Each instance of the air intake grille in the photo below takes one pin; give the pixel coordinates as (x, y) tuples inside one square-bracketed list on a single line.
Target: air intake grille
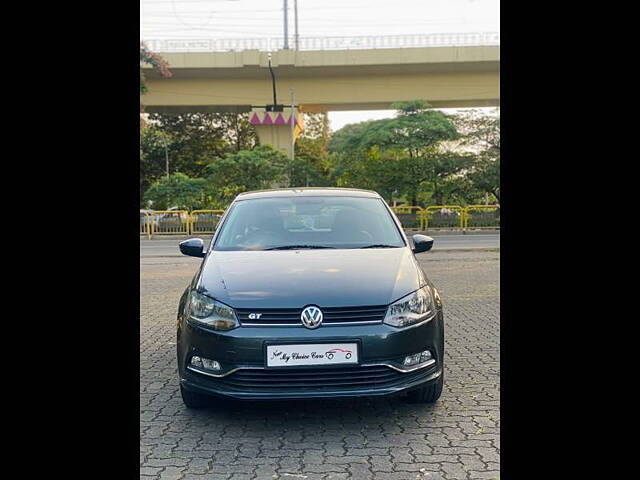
[(290, 317), (306, 379)]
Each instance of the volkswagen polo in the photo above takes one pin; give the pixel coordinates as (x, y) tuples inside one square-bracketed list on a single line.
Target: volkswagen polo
[(309, 293)]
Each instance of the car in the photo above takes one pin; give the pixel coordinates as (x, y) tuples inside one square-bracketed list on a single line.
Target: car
[(309, 293)]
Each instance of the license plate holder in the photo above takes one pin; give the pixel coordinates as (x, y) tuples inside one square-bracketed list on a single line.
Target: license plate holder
[(283, 355)]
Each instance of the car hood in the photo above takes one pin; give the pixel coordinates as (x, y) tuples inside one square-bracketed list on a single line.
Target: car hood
[(295, 278)]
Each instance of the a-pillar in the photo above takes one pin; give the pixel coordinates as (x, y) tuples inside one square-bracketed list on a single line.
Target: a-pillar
[(274, 128)]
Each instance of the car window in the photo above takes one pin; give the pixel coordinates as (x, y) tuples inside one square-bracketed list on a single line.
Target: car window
[(313, 222)]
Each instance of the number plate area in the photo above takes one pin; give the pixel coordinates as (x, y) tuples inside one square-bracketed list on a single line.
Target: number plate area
[(312, 354)]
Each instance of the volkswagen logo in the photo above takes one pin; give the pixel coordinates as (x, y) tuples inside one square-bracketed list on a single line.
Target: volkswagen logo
[(311, 317)]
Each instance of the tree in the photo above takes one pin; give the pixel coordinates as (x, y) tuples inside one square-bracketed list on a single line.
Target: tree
[(311, 166), (157, 62), (260, 168), (372, 169), (486, 176), (152, 155), (409, 143), (440, 170), (198, 138), (177, 190), (481, 133)]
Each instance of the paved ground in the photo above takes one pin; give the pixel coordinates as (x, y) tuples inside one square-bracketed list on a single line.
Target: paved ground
[(457, 438), (168, 246)]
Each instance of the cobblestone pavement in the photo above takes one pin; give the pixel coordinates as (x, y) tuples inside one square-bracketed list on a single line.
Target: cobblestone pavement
[(457, 438)]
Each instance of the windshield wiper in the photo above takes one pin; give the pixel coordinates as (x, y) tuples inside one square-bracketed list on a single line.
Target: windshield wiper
[(380, 245), (296, 247)]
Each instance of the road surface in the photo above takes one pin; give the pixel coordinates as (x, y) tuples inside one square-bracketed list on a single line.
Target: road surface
[(364, 438)]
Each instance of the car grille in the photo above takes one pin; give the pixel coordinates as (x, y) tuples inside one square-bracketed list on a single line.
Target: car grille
[(306, 379), (290, 317)]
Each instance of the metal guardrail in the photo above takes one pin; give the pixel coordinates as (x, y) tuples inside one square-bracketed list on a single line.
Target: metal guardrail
[(170, 222), (327, 43), (204, 221), (450, 217), (412, 218), (482, 217)]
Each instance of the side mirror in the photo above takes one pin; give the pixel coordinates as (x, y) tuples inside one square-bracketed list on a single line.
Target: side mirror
[(422, 243), (194, 247)]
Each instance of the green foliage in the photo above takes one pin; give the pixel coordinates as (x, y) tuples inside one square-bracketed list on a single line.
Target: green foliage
[(177, 190), (413, 131), (486, 176), (312, 166), (373, 170), (260, 168), (193, 140), (152, 155), (401, 154), (482, 134), (421, 156)]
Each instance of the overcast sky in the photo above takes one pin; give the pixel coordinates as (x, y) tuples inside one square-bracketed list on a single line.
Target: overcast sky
[(183, 19)]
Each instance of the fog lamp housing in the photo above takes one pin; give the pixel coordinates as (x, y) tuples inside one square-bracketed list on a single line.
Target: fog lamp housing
[(417, 358), (197, 362), (205, 363)]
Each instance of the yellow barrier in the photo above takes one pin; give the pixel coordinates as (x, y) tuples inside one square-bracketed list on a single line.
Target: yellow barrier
[(170, 222), (181, 222), (408, 219), (487, 218), (204, 221), (447, 217), (145, 224)]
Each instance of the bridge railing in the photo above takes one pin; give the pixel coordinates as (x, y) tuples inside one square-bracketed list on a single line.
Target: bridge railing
[(327, 43)]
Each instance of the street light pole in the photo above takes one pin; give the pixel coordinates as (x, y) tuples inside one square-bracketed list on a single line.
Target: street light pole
[(286, 25), (293, 121), (166, 156), (295, 17)]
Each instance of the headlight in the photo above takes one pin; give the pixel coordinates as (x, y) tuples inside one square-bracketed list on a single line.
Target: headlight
[(412, 309), (210, 312)]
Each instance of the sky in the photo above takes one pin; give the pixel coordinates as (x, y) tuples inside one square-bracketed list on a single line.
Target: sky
[(199, 19)]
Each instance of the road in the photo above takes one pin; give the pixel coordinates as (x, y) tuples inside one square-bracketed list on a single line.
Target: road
[(168, 247), (355, 439)]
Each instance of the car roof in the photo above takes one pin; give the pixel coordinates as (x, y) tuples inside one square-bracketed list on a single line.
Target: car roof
[(307, 191)]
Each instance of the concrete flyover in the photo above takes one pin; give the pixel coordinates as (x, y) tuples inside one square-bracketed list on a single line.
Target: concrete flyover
[(329, 80)]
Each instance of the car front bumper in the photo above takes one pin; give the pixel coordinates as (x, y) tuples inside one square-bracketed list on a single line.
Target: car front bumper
[(244, 375)]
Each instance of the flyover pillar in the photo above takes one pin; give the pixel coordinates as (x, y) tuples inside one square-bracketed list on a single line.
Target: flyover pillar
[(274, 128)]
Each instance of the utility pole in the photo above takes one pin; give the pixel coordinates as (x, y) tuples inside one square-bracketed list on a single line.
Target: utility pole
[(166, 157), (286, 25), (295, 17), (293, 126)]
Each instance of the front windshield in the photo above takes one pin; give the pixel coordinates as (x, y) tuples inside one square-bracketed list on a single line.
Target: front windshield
[(308, 222)]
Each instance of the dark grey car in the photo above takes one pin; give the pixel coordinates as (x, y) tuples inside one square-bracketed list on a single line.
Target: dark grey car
[(309, 293)]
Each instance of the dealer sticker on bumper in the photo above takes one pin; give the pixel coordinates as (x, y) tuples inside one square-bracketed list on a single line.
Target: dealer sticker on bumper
[(311, 354)]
